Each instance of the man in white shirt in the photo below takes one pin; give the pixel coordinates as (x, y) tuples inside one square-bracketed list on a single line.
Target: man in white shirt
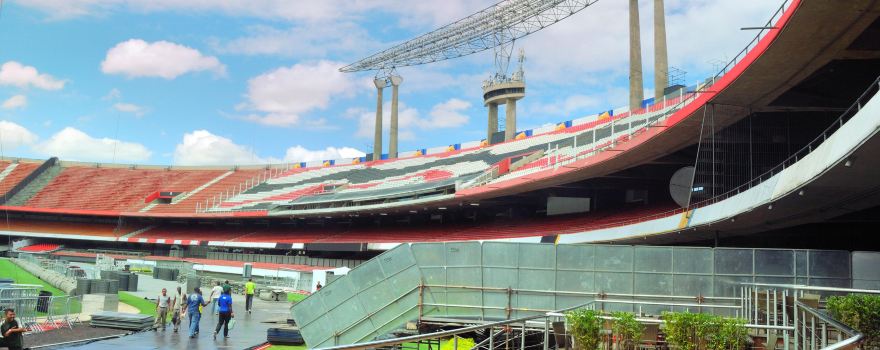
[(163, 302), (215, 294)]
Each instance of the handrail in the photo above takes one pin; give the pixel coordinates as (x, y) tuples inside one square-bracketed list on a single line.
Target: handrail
[(427, 336), (814, 288), (854, 335)]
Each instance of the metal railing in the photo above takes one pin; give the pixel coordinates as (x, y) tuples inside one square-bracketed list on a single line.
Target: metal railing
[(857, 106), (771, 311), (789, 306)]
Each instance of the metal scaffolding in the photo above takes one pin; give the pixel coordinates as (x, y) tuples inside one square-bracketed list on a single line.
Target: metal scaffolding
[(496, 25)]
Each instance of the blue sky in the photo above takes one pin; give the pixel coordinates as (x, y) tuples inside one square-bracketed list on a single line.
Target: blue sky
[(200, 82)]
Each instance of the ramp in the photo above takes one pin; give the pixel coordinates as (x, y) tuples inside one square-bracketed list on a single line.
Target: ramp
[(501, 280)]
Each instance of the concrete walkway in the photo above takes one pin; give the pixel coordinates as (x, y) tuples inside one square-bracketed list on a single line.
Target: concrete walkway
[(249, 330)]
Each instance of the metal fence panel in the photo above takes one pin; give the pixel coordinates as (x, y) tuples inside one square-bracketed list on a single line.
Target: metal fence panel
[(614, 258), (693, 260), (653, 259), (731, 261), (774, 262)]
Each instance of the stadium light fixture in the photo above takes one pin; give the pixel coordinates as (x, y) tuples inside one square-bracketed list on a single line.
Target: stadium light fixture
[(770, 207), (801, 193), (848, 163), (383, 214), (475, 204), (413, 211), (442, 208)]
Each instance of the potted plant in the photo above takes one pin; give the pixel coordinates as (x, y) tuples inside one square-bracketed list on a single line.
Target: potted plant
[(584, 326)]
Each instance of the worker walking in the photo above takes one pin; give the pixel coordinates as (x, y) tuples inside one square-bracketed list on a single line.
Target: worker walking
[(179, 306), (193, 308), (249, 289), (163, 303), (215, 294), (224, 305)]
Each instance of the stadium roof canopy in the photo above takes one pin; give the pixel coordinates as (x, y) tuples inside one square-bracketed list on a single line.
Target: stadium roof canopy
[(495, 25)]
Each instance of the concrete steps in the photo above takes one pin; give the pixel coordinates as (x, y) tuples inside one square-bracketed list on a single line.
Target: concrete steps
[(35, 186)]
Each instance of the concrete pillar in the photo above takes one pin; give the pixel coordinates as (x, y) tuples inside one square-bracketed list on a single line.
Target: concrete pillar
[(377, 141), (661, 60), (636, 89), (493, 122), (510, 121), (392, 142)]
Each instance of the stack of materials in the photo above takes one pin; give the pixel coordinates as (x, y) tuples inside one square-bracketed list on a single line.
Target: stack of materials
[(123, 280), (284, 336), (121, 320), (99, 287), (82, 286), (133, 282), (165, 274)]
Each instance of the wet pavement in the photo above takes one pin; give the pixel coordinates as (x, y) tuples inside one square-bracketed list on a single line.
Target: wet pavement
[(250, 330)]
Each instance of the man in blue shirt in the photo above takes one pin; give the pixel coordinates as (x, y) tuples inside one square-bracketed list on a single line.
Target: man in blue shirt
[(224, 305), (194, 302)]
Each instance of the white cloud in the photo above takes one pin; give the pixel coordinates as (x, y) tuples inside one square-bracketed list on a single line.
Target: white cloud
[(697, 31), (13, 136), (302, 154), (407, 120), (163, 59), (19, 75), (17, 101), (130, 108), (413, 13), (114, 94), (447, 115), (442, 115), (281, 96), (73, 144), (342, 38), (201, 147)]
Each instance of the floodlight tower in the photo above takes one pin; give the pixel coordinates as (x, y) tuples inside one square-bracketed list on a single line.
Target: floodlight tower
[(502, 89), (496, 26), (383, 80)]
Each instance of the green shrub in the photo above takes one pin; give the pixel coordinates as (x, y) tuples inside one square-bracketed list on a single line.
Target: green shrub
[(859, 311), (692, 331), (584, 326), (681, 330), (729, 333), (627, 329)]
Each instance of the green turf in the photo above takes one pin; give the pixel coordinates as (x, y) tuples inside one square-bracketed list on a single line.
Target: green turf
[(10, 270), (287, 347), (144, 306), (295, 297)]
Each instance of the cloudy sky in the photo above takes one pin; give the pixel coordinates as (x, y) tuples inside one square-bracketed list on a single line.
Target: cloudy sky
[(194, 82)]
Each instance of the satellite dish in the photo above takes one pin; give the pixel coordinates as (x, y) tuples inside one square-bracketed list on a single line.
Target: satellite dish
[(681, 185)]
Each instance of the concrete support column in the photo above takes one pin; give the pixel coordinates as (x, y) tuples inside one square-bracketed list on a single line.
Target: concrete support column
[(661, 60), (377, 139), (636, 89), (493, 122), (392, 142), (510, 121)]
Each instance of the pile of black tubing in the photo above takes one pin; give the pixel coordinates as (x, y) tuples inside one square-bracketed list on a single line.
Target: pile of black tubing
[(165, 274)]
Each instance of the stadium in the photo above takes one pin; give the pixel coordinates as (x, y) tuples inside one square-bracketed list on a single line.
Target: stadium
[(751, 194)]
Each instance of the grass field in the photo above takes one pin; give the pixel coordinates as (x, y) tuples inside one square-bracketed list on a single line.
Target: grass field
[(144, 306), (287, 347), (295, 298), (8, 269)]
